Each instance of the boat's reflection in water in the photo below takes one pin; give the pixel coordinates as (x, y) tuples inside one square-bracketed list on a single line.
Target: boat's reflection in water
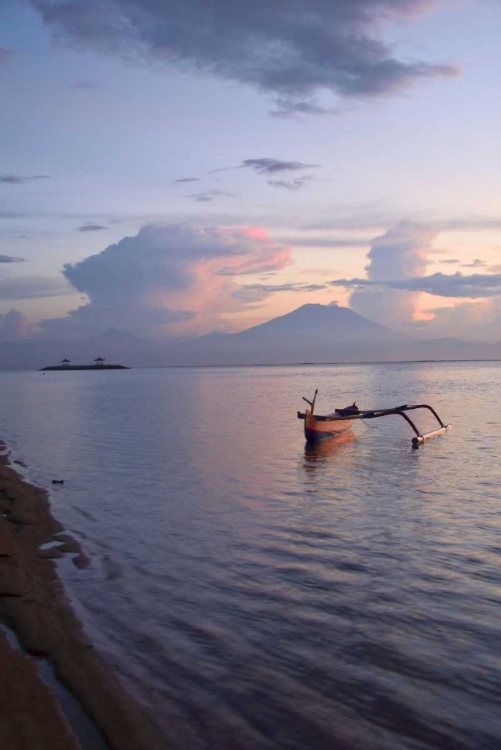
[(316, 454)]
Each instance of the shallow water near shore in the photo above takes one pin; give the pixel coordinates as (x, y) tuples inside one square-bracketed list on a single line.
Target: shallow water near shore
[(257, 594)]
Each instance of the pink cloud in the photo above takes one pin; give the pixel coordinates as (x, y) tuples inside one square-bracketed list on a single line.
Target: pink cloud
[(169, 279)]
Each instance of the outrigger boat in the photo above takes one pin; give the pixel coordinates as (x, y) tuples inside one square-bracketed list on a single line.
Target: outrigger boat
[(318, 428)]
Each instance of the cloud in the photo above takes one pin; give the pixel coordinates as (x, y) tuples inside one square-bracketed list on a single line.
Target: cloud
[(474, 321), (439, 284), (477, 263), (6, 55), (292, 49), (208, 195), (33, 287), (90, 227), (14, 326), (11, 259), (251, 293), (400, 253), (296, 184), (269, 166), (449, 260), (315, 241), (288, 108), (14, 179), (83, 85), (186, 179), (173, 278), (468, 224)]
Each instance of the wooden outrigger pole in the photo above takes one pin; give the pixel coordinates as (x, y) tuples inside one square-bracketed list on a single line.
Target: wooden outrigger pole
[(315, 430)]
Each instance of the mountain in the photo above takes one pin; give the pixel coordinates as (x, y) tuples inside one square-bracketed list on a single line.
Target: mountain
[(311, 333), (321, 333)]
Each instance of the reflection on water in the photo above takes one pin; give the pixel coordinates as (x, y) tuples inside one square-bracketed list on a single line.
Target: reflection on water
[(257, 593), (315, 454)]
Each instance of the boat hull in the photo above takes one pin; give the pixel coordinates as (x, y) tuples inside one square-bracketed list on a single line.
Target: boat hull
[(317, 430)]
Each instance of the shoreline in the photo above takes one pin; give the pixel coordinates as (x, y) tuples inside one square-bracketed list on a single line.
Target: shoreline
[(33, 605)]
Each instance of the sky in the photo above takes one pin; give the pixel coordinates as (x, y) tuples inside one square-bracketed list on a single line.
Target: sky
[(175, 167)]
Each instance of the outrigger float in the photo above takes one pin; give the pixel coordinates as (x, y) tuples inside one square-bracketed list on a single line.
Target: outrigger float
[(318, 428)]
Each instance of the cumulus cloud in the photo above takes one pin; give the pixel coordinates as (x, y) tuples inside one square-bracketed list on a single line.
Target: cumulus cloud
[(14, 326), (91, 227), (292, 49), (33, 287), (6, 55), (15, 179), (400, 253), (173, 278), (10, 259)]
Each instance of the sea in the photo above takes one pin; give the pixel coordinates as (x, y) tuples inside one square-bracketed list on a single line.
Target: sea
[(255, 594)]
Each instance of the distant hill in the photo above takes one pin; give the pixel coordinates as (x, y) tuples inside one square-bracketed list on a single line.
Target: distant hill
[(311, 333)]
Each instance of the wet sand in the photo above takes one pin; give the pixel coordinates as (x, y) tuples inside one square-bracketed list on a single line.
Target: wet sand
[(34, 606)]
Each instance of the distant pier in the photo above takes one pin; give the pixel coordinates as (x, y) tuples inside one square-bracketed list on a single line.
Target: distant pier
[(65, 368), (99, 364)]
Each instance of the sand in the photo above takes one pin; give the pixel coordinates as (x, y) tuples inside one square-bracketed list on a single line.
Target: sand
[(34, 606)]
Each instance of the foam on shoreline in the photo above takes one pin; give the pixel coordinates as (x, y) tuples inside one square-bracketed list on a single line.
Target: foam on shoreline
[(34, 606)]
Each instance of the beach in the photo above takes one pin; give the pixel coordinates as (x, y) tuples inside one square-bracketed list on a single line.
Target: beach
[(33, 605)]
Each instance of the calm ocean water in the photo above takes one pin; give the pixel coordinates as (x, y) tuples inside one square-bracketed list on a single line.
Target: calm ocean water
[(255, 594)]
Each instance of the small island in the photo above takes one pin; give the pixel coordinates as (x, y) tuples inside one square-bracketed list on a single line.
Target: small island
[(99, 364)]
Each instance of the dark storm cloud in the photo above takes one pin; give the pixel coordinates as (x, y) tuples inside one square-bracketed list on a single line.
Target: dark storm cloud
[(10, 259), (15, 179), (441, 285), (90, 227), (293, 48), (6, 55)]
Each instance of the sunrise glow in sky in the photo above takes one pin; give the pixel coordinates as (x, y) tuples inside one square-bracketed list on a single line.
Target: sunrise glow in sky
[(173, 167)]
